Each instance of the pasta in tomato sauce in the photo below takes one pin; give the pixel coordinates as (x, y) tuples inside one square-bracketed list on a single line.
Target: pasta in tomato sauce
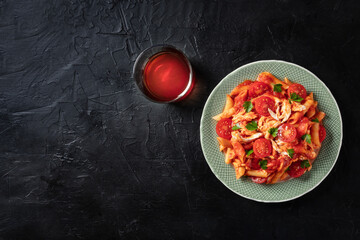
[(270, 130)]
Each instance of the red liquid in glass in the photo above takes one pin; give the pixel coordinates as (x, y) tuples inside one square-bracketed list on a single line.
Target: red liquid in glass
[(166, 76)]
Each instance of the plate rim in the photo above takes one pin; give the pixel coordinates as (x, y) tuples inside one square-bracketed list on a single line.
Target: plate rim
[(213, 92)]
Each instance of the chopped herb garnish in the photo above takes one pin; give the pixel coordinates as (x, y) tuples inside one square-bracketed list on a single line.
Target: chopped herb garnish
[(296, 98), (287, 169), (291, 152), (277, 87), (315, 120), (307, 138), (251, 125), (305, 164), (263, 164), (249, 152), (273, 131), (248, 106), (236, 127)]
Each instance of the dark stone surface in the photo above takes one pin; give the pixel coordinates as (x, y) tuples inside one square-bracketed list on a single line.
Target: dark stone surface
[(83, 155)]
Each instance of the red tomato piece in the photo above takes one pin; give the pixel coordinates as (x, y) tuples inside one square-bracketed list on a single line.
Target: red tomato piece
[(254, 164), (298, 89), (223, 128), (287, 132), (262, 104), (303, 127), (322, 133), (277, 94), (258, 180), (262, 148), (296, 170), (258, 88)]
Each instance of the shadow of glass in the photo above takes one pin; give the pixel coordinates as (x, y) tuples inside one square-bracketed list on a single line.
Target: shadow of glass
[(200, 92)]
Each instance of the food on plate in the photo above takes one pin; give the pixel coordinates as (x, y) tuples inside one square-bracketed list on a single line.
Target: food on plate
[(270, 130)]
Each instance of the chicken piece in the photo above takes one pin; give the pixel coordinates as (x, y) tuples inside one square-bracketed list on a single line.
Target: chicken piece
[(297, 107), (237, 136), (265, 123), (283, 110), (244, 116)]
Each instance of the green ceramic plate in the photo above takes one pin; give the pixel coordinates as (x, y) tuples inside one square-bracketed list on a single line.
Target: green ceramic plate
[(293, 188)]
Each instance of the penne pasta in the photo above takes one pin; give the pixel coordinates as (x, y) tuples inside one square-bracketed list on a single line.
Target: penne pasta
[(284, 177), (270, 79), (224, 142), (239, 170), (315, 104), (320, 116), (314, 132), (257, 173), (296, 116), (229, 156), (241, 87), (310, 96), (277, 177), (311, 112), (308, 103), (269, 132), (239, 150), (287, 81), (270, 178), (229, 103), (226, 114), (222, 148)]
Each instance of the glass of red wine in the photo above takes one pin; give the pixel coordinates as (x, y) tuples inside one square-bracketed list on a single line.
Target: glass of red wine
[(163, 74)]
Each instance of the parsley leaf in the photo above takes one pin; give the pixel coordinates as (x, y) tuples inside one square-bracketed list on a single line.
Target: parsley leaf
[(249, 152), (263, 164), (251, 125), (295, 97), (248, 106), (307, 138), (277, 87), (236, 127), (315, 120), (273, 131), (291, 152), (287, 169), (305, 164)]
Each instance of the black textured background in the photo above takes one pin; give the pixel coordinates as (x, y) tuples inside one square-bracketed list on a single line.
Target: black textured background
[(83, 155)]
